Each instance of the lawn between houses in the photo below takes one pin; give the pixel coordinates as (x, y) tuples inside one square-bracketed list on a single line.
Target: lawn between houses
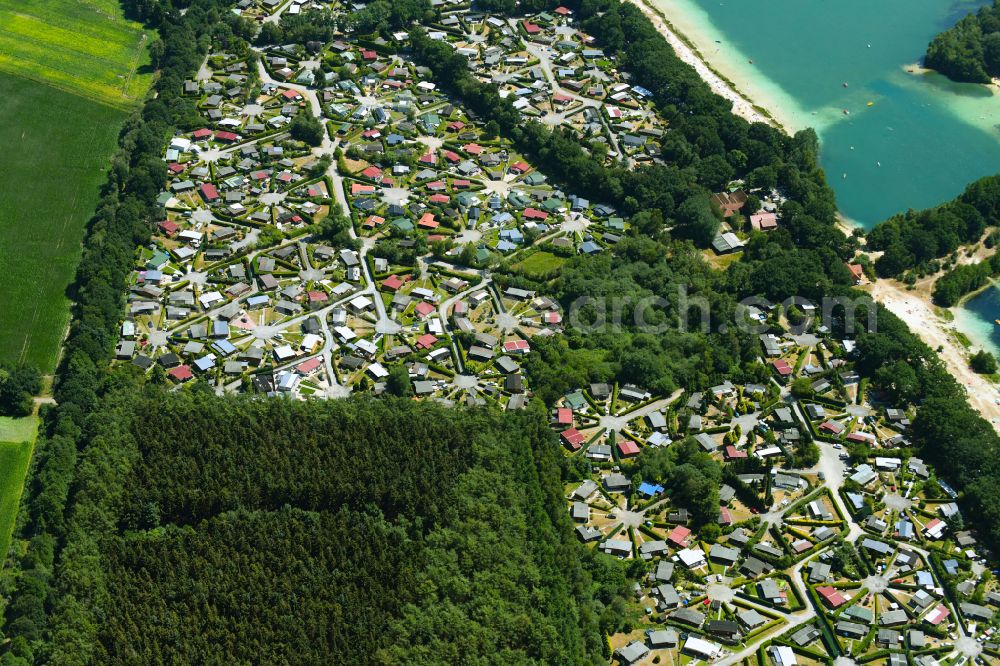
[(540, 264), (56, 145)]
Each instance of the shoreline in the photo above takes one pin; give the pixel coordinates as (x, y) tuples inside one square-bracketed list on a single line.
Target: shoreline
[(687, 50), (972, 294), (751, 108), (917, 312), (971, 325), (915, 309)]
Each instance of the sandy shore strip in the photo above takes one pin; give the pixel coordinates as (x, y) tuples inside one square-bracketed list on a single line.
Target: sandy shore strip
[(913, 308), (919, 315), (743, 106)]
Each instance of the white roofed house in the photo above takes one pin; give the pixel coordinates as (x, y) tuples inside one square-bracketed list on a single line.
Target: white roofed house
[(698, 647), (284, 353), (887, 464), (782, 655), (210, 298), (935, 529), (360, 304), (692, 559)]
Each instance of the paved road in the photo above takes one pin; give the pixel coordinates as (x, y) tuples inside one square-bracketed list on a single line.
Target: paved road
[(832, 468), (545, 62), (443, 314), (327, 147), (793, 620), (276, 16), (618, 421)]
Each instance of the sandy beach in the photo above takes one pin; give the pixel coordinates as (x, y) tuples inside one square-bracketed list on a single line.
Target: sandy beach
[(912, 306), (742, 105), (753, 96), (919, 315)]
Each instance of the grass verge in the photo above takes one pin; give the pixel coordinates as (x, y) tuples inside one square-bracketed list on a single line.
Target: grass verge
[(14, 460)]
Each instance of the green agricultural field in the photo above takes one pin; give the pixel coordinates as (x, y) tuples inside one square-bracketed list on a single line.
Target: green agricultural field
[(85, 47), (14, 460), (70, 71), (21, 429), (56, 147)]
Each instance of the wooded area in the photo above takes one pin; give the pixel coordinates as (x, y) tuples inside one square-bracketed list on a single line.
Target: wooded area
[(961, 280), (300, 527), (18, 386), (919, 239), (236, 530), (970, 50)]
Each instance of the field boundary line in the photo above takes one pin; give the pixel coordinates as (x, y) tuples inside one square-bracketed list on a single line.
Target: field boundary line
[(135, 66)]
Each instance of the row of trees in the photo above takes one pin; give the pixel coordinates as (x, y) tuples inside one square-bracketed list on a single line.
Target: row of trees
[(970, 50), (123, 220)]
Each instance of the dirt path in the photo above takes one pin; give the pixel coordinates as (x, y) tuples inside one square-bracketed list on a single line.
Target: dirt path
[(919, 315)]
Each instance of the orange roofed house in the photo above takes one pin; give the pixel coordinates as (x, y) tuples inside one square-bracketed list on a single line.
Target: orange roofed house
[(729, 203)]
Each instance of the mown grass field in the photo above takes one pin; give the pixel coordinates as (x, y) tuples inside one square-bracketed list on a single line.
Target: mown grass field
[(56, 147), (14, 460), (85, 47), (18, 429)]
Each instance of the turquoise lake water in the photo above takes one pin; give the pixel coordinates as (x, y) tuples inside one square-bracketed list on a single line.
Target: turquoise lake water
[(977, 318), (922, 139)]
